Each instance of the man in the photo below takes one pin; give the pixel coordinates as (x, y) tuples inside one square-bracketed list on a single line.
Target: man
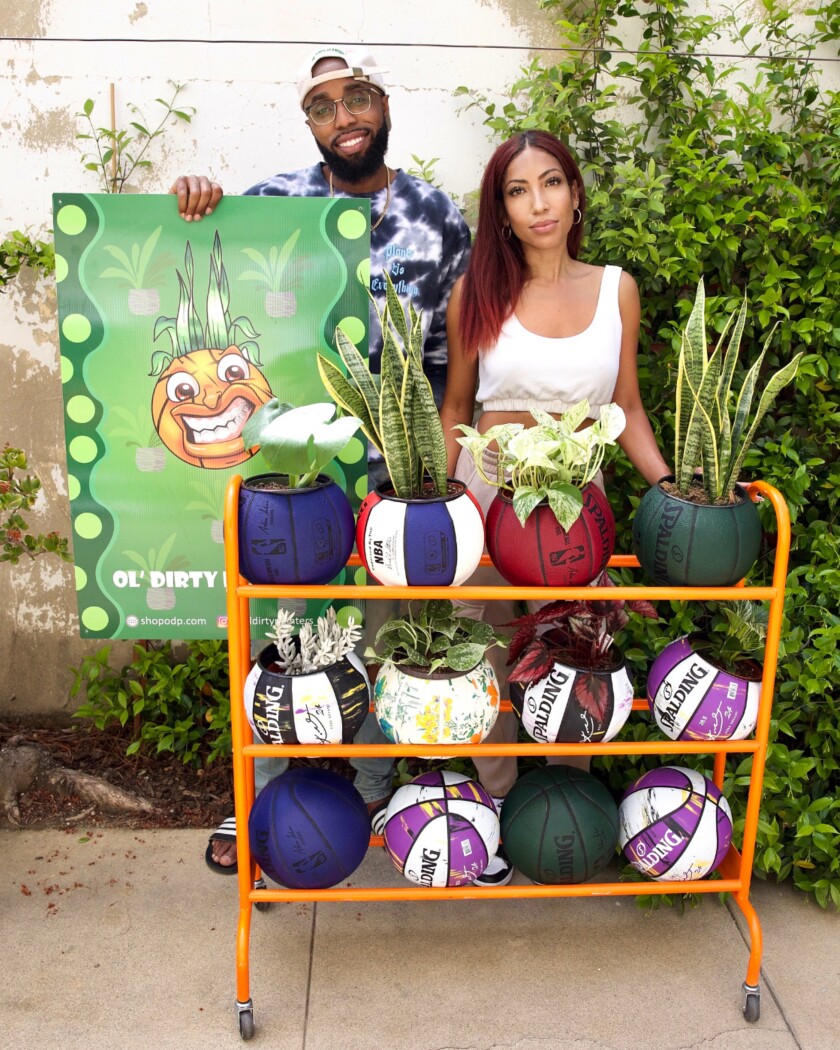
[(417, 235)]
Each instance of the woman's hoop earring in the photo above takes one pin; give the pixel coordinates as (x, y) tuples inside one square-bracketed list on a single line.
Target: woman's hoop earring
[(579, 217), (507, 232)]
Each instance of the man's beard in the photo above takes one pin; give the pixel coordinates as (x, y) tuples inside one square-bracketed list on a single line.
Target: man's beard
[(353, 170)]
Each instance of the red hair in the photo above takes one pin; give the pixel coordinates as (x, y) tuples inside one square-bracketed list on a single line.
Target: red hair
[(497, 270)]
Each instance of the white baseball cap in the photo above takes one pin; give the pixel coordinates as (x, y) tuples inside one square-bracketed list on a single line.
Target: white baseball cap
[(361, 66)]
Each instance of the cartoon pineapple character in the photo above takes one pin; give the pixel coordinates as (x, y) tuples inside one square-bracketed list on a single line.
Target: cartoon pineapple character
[(210, 385)]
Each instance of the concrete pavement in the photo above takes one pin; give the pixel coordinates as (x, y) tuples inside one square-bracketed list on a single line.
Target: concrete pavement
[(124, 940)]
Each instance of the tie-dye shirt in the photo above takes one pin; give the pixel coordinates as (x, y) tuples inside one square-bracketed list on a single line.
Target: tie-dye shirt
[(423, 243)]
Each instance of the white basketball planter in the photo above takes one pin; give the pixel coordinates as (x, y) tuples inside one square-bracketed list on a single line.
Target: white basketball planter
[(552, 712), (415, 707), (326, 706), (692, 698), (434, 540)]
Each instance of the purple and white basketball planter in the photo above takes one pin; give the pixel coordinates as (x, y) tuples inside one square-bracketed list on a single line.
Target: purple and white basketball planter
[(674, 824), (320, 707), (551, 711), (436, 541), (692, 699), (441, 829)]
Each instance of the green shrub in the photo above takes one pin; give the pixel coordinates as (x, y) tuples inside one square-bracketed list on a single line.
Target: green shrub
[(179, 705), (730, 172)]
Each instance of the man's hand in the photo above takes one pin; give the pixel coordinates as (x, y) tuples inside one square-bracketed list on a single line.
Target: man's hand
[(197, 196)]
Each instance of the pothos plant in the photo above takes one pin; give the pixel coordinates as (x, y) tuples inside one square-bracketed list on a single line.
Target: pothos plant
[(578, 633), (297, 443), (312, 648), (397, 408), (550, 462), (433, 637)]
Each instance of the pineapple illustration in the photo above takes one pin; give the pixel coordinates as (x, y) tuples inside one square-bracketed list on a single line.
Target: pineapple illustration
[(210, 385)]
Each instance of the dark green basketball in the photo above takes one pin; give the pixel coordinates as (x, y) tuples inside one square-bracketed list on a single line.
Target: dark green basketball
[(559, 824), (683, 544)]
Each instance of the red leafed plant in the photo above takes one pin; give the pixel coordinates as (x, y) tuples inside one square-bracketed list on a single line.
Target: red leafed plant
[(577, 633)]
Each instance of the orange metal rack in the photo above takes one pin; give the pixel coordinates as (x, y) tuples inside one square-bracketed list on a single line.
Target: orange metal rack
[(736, 869)]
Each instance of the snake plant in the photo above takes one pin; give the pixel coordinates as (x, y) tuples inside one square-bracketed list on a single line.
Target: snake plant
[(712, 425), (397, 408)]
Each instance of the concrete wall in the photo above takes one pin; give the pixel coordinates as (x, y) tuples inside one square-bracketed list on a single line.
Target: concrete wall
[(236, 61)]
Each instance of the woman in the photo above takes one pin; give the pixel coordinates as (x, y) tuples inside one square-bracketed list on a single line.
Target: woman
[(529, 325)]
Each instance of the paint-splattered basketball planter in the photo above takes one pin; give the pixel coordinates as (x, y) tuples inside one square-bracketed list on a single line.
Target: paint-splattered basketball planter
[(415, 707), (735, 868)]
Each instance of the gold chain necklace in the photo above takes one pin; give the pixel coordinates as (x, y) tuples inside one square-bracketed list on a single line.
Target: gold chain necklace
[(387, 196)]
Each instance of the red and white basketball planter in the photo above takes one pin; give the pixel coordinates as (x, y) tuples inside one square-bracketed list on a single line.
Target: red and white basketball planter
[(693, 699), (434, 541), (542, 553), (552, 712)]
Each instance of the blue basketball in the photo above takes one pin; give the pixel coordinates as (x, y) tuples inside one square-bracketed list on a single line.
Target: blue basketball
[(309, 829)]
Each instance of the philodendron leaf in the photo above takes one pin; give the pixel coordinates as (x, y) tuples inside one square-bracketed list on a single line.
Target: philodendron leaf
[(524, 501), (464, 656), (566, 502), (298, 441)]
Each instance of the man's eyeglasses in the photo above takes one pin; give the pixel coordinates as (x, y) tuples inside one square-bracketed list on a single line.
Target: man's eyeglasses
[(323, 110)]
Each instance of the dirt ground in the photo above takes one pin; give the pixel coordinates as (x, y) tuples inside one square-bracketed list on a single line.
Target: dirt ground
[(183, 797)]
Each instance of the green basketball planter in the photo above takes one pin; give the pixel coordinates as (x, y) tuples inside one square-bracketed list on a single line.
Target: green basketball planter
[(680, 543)]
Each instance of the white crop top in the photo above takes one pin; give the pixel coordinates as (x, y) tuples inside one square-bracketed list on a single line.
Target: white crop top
[(525, 370)]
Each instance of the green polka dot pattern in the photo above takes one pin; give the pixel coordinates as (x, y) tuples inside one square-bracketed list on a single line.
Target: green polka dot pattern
[(81, 330)]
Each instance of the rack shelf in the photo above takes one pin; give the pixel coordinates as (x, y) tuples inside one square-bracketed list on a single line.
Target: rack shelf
[(736, 868)]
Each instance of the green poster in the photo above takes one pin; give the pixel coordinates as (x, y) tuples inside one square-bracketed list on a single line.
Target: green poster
[(172, 334)]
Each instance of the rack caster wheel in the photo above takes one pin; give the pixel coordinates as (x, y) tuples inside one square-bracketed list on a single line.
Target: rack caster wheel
[(261, 905), (752, 1003), (246, 1019)]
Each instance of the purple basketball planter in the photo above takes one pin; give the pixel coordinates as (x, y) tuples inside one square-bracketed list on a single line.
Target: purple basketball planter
[(674, 824), (441, 829), (551, 712), (322, 707), (541, 553), (309, 829), (296, 536), (692, 699), (435, 541)]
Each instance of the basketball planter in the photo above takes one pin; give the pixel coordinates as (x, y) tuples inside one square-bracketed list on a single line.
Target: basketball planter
[(325, 706), (415, 706), (568, 681), (435, 685), (441, 829), (675, 825), (559, 825), (293, 535), (554, 709), (295, 525), (309, 829), (681, 543), (692, 698), (431, 540), (541, 552), (705, 531)]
